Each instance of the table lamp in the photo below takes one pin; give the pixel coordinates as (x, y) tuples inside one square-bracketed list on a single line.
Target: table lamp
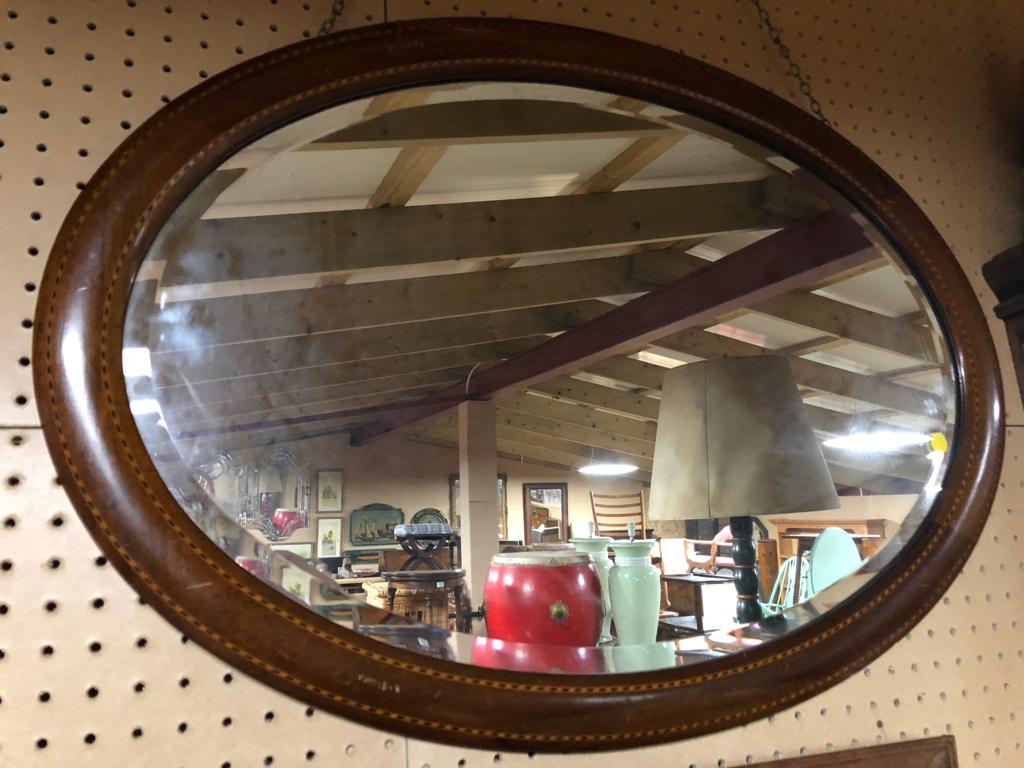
[(733, 441)]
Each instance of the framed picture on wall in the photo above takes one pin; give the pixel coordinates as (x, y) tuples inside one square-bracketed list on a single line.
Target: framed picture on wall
[(328, 490), (296, 582), (328, 537), (302, 550)]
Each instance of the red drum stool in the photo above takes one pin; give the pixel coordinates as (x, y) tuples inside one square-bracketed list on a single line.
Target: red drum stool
[(550, 598)]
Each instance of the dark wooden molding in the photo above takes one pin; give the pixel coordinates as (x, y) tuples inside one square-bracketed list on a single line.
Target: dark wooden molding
[(939, 752), (115, 487)]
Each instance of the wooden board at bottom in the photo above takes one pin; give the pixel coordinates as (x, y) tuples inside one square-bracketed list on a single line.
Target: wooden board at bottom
[(939, 752)]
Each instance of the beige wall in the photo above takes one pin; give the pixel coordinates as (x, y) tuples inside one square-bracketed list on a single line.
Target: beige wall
[(411, 475), (931, 91)]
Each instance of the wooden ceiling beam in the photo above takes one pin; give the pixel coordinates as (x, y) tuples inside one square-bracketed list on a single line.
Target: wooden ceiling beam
[(513, 421), (332, 403), (518, 457), (513, 440), (201, 366), (307, 383), (767, 268), (519, 453), (357, 409), (366, 305), (312, 399), (869, 481), (648, 378), (633, 159), (696, 343), (217, 250), (576, 414), (801, 307), (406, 174), (488, 121), (396, 100), (901, 465)]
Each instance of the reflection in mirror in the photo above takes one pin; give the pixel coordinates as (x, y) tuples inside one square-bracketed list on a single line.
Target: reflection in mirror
[(714, 399)]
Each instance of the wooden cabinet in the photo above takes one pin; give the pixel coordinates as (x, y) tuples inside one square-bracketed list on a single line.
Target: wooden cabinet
[(767, 564), (788, 547)]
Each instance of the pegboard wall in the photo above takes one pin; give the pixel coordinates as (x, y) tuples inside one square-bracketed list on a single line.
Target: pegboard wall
[(90, 676)]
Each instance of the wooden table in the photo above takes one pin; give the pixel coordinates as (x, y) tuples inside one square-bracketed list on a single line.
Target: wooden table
[(686, 589)]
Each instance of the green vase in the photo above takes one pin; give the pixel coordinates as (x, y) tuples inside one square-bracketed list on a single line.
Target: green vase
[(643, 658), (597, 548), (635, 588)]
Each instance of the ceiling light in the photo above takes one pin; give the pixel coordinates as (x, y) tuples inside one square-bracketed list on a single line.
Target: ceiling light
[(880, 441), (607, 469)]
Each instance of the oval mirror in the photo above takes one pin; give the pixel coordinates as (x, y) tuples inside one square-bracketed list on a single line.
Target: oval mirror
[(534, 384)]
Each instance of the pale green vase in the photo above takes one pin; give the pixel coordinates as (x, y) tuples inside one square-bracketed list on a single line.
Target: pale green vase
[(597, 548), (635, 588), (643, 658)]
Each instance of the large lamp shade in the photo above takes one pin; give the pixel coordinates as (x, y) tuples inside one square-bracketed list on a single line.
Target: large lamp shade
[(733, 439)]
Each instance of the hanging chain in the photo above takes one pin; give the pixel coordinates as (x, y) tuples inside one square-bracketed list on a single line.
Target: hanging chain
[(792, 68), (328, 24)]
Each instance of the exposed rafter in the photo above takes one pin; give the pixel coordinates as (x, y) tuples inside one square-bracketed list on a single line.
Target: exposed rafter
[(624, 166), (407, 173), (498, 121), (367, 305), (342, 241), (767, 268)]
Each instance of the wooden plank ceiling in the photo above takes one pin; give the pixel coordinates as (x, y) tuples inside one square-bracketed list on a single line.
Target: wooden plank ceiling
[(364, 261)]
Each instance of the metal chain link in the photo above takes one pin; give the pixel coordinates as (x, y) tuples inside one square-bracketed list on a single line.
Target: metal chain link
[(328, 24), (792, 68)]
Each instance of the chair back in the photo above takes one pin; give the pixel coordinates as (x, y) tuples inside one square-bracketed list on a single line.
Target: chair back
[(614, 512), (786, 593), (833, 557)]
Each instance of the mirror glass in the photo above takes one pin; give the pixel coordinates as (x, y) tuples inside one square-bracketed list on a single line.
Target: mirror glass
[(526, 376)]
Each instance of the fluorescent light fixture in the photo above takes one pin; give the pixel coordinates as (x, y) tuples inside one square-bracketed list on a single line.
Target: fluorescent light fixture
[(135, 362), (879, 441), (145, 406), (607, 470)]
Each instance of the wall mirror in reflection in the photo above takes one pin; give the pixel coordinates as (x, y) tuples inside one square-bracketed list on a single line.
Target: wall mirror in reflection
[(539, 378)]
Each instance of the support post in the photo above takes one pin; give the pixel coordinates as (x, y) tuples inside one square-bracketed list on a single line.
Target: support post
[(478, 496)]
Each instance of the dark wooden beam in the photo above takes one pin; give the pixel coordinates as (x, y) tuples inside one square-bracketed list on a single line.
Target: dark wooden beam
[(778, 263)]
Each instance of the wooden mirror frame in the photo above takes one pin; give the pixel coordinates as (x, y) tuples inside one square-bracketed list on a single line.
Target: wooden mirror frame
[(563, 525), (108, 474)]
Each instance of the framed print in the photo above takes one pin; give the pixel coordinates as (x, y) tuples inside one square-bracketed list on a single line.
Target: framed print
[(374, 524), (296, 582), (328, 490), (302, 550), (328, 537)]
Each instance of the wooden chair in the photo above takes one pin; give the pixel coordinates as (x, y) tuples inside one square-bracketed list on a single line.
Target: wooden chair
[(614, 512), (719, 557)]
